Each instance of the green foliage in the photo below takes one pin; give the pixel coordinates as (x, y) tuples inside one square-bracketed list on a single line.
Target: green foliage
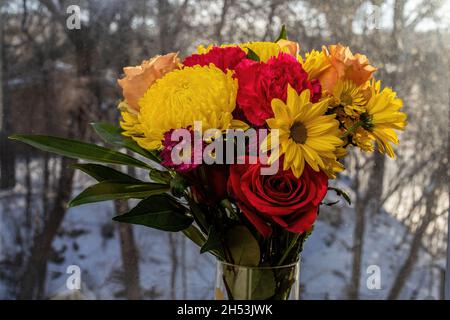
[(178, 186), (78, 150), (213, 242), (283, 34), (118, 189), (113, 135), (252, 55), (195, 235), (243, 246), (103, 173), (198, 214), (160, 212), (160, 176), (249, 283)]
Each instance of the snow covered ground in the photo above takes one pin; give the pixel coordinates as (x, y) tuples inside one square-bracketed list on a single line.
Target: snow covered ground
[(89, 239)]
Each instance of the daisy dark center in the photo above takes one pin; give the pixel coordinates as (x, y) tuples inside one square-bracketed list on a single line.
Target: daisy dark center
[(347, 99), (298, 133)]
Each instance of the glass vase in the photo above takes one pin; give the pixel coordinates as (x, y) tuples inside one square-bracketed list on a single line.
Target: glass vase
[(234, 282)]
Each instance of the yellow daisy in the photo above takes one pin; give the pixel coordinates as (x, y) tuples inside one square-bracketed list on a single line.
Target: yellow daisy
[(363, 139), (315, 63), (383, 117), (348, 95), (185, 96), (306, 134), (332, 167)]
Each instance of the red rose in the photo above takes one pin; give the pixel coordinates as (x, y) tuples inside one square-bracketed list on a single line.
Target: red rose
[(282, 198), (222, 58), (261, 82)]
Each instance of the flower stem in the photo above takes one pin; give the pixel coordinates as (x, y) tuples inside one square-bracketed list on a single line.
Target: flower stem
[(290, 247), (352, 129)]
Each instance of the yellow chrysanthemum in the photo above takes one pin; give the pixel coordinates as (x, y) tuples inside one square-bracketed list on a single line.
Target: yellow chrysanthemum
[(306, 134), (129, 121), (383, 117), (264, 50), (314, 63), (183, 97), (201, 49), (348, 95)]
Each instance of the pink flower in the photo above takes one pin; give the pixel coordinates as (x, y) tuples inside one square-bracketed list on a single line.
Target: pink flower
[(178, 160)]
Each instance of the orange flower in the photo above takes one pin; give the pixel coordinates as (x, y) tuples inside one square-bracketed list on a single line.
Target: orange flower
[(292, 47), (138, 79), (345, 65)]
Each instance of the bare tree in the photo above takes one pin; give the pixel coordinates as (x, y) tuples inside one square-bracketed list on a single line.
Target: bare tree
[(7, 158), (130, 256), (220, 25), (431, 197), (34, 277)]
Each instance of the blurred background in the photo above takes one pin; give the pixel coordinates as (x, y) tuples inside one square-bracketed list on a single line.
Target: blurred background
[(55, 78)]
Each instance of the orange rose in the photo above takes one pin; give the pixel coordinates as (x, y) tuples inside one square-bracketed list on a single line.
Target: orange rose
[(345, 65), (138, 79), (292, 47)]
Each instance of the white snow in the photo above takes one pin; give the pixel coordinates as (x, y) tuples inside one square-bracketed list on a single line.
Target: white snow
[(89, 239)]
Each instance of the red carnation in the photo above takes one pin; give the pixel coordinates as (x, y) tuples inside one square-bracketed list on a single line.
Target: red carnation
[(222, 58), (261, 82), (283, 199)]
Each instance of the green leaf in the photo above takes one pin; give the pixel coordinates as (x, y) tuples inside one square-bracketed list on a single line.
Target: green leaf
[(113, 135), (178, 185), (160, 176), (103, 173), (342, 193), (195, 235), (243, 247), (263, 284), (213, 242), (160, 212), (198, 214), (113, 190), (283, 34), (252, 55), (78, 150)]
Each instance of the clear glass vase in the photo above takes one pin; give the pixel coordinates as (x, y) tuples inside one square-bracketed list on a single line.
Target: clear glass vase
[(235, 282)]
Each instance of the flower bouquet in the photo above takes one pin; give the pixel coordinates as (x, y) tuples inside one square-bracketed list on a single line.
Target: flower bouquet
[(237, 143)]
